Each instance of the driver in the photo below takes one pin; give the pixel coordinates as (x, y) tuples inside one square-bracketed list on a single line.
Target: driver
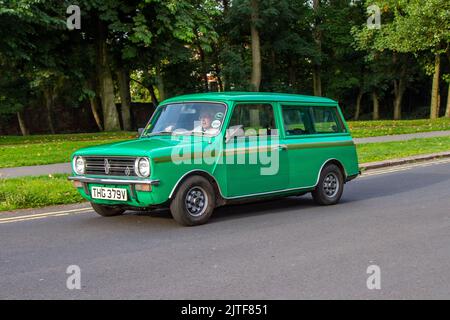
[(205, 120)]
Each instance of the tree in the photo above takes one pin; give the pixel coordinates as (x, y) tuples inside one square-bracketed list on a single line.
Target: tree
[(256, 47), (415, 26)]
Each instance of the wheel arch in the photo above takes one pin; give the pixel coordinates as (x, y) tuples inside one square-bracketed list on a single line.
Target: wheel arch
[(335, 162), (202, 173)]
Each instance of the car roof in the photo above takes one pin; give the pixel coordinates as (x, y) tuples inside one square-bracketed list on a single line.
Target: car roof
[(249, 96)]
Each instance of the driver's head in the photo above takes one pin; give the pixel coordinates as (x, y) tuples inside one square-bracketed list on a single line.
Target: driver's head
[(205, 119)]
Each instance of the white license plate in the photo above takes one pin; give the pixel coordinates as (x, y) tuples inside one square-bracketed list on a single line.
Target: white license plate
[(109, 193)]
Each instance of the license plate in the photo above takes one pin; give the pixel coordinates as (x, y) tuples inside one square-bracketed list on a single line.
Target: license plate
[(109, 193)]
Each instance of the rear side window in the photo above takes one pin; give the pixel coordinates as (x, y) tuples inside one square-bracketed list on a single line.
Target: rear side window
[(297, 121), (304, 120), (326, 120)]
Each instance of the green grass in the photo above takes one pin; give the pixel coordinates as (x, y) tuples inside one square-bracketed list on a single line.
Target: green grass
[(42, 153), (369, 152), (33, 150), (35, 139), (33, 192), (361, 129)]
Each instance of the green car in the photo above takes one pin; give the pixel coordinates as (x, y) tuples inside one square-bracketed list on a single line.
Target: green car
[(202, 151)]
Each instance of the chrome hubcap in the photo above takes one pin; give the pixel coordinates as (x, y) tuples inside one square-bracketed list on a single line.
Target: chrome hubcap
[(331, 185), (196, 201)]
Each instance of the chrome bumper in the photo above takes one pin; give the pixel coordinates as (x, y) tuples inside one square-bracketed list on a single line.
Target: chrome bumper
[(113, 181), (131, 183)]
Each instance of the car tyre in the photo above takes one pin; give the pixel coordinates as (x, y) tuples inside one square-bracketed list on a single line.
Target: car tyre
[(107, 211), (194, 202), (330, 187)]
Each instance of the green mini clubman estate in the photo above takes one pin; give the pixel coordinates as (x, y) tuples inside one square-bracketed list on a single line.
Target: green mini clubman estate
[(202, 151)]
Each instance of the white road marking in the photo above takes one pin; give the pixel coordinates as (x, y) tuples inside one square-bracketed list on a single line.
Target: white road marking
[(44, 215), (376, 172)]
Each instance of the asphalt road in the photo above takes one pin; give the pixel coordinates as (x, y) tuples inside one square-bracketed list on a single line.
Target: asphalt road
[(283, 249)]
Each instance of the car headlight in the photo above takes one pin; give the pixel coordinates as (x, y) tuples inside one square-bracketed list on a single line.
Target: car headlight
[(142, 167), (79, 165)]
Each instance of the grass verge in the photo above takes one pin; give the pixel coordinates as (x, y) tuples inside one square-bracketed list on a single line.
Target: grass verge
[(75, 137), (42, 153), (33, 150), (34, 192), (362, 129), (369, 152)]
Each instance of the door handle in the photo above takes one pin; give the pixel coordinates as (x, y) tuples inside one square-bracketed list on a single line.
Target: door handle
[(280, 147)]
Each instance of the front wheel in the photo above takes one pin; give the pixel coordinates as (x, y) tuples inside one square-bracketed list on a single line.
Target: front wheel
[(194, 202), (107, 211), (330, 187)]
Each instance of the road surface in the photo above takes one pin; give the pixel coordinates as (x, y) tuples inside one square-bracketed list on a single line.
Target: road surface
[(282, 249)]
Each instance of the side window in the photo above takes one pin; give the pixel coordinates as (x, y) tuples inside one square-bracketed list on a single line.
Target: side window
[(296, 120), (255, 119), (326, 120)]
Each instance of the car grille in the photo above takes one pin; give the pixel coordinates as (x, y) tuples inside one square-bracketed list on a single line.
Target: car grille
[(110, 166)]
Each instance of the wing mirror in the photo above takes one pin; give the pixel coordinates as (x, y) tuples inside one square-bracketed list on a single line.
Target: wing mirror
[(140, 130)]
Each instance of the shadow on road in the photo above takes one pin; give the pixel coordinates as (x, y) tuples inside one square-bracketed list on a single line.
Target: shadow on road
[(356, 191), (392, 184)]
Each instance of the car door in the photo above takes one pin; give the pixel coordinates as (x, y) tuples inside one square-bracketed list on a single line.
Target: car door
[(255, 161)]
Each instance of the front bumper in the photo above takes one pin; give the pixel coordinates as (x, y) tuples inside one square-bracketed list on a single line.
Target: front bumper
[(112, 181)]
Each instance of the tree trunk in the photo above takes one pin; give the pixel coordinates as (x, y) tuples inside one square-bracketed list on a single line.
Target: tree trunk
[(160, 85), (204, 67), (358, 104), (255, 81), (106, 85), (399, 86), (317, 81), (376, 106), (123, 78), (447, 110), (219, 78), (153, 96), (48, 101), (226, 6), (150, 89), (398, 108), (399, 90), (93, 101), (434, 106), (291, 74), (22, 125)]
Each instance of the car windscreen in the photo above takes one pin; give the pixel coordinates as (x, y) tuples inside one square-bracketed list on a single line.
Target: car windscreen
[(187, 119)]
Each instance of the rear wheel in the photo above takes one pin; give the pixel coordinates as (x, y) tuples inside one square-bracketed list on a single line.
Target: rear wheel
[(330, 186), (107, 211), (194, 202)]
